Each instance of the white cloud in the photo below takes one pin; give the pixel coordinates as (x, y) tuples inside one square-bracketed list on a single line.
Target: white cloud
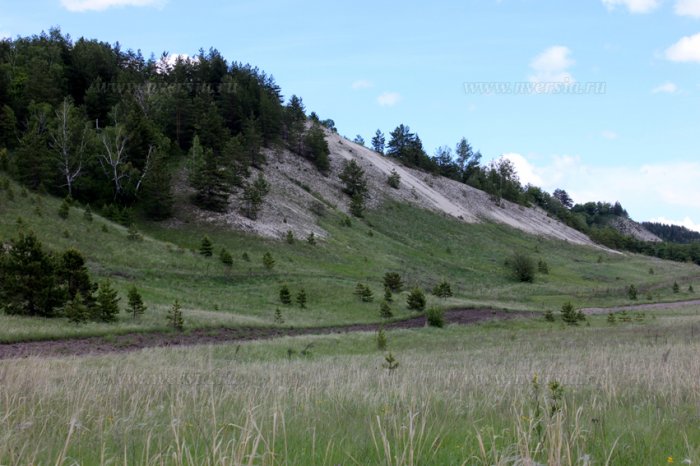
[(686, 222), (389, 99), (100, 5), (526, 171), (362, 84), (685, 50), (552, 65), (688, 8), (634, 6), (665, 88), (609, 135)]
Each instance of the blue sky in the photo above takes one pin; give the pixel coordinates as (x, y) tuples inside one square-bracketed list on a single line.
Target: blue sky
[(372, 65)]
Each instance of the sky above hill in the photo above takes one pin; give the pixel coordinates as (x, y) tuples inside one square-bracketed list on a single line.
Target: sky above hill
[(599, 97)]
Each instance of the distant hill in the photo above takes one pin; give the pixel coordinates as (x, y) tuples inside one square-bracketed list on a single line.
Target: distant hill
[(672, 233)]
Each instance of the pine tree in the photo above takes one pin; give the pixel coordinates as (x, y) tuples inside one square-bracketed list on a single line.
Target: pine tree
[(311, 239), (393, 282), (394, 179), (378, 142), (226, 258), (206, 248), (317, 148), (388, 297), (416, 300), (64, 209), (279, 320), (381, 339), (676, 287), (157, 192), (268, 261), (568, 314), (289, 237), (76, 311), (136, 306), (301, 298), (254, 195), (210, 178), (285, 295), (385, 310), (107, 306), (175, 317), (443, 290)]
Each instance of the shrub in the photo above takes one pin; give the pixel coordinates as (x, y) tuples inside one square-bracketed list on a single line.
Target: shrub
[(285, 295), (290, 237), (135, 302), (568, 314), (206, 248), (268, 261), (133, 234), (381, 339), (76, 311), (543, 267), (691, 289), (301, 298), (549, 316), (632, 292), (278, 317), (416, 300), (226, 258), (522, 267), (175, 317), (443, 290), (385, 310), (611, 318), (357, 206), (311, 239), (388, 297), (87, 213), (64, 210), (394, 179), (676, 288), (364, 293), (435, 317), (393, 282)]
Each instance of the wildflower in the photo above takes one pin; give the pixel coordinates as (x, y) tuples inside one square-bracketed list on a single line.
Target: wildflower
[(669, 460)]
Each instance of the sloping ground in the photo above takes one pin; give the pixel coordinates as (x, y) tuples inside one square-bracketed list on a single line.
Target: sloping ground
[(631, 228), (300, 194)]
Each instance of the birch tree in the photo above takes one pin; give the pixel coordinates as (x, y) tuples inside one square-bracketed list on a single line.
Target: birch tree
[(69, 141)]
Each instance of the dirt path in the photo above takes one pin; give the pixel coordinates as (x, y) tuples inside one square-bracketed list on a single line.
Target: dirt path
[(138, 341), (640, 307)]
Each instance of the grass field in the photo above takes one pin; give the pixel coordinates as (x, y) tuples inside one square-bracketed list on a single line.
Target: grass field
[(629, 395), (423, 246)]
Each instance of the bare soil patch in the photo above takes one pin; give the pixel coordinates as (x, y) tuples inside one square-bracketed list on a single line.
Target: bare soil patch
[(138, 341)]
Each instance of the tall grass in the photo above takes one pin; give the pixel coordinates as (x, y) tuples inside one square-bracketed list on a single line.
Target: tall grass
[(627, 399)]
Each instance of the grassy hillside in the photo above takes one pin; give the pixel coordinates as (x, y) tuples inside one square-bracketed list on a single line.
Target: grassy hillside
[(424, 247)]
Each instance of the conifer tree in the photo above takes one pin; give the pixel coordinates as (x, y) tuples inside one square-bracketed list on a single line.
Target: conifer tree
[(301, 298), (416, 300), (285, 295), (206, 248), (136, 306), (175, 317), (76, 311), (107, 306), (268, 261), (378, 142), (226, 258)]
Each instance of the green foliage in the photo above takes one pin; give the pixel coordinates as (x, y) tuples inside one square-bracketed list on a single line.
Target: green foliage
[(393, 282), (542, 267), (676, 287), (355, 186), (87, 213), (549, 315), (390, 363), (107, 306), (364, 292), (632, 292), (206, 248), (135, 303), (381, 339), (76, 311), (64, 210), (245, 257), (254, 196), (378, 142), (285, 295), (301, 298), (522, 267), (133, 234), (569, 315), (394, 179), (311, 239), (175, 317), (316, 148), (385, 310), (210, 177), (416, 300), (388, 297), (268, 261), (357, 206), (278, 319), (289, 237), (691, 289), (435, 317), (443, 290), (226, 257), (611, 318)]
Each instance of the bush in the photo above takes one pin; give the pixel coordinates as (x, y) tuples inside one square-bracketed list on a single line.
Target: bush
[(268, 261), (175, 318), (570, 316), (290, 237), (632, 292), (676, 288), (522, 267), (301, 298), (364, 293), (549, 316), (385, 310), (311, 239), (543, 267), (394, 179), (226, 258), (285, 295), (381, 340), (133, 234), (443, 290), (206, 248), (416, 300), (76, 311), (393, 282), (64, 210), (435, 317)]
